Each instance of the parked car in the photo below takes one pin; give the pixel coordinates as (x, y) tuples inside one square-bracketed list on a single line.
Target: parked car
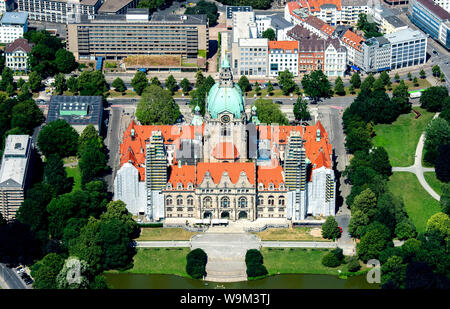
[(278, 102), (340, 229), (20, 269)]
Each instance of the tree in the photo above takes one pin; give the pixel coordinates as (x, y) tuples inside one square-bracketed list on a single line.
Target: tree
[(269, 88), (55, 175), (415, 81), (72, 84), (208, 83), (409, 76), (46, 271), (442, 163), (433, 97), (437, 132), (139, 82), (92, 83), (353, 264), (155, 81), (363, 211), (157, 107), (330, 229), (255, 264), (33, 210), (196, 263), (393, 272), (445, 198), (355, 81), (269, 34), (400, 98), (405, 230), (65, 61), (316, 85), (58, 137), (185, 85), (379, 161), (397, 77), (301, 110), (90, 138), (171, 84), (35, 81), (244, 84), (204, 7), (358, 139), (436, 70), (92, 163), (333, 258), (384, 76), (440, 223), (119, 85), (199, 79), (373, 242), (269, 112), (286, 81), (339, 86), (7, 78), (26, 115), (422, 74), (257, 88), (60, 83)]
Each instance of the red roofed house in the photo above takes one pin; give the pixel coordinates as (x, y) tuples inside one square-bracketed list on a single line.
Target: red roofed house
[(16, 55), (226, 165), (283, 55)]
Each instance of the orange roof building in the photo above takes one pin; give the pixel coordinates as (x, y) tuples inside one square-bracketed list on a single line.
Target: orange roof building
[(226, 166)]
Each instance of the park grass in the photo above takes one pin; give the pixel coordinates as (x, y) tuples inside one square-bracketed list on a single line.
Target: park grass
[(296, 261), (170, 261), (76, 174), (149, 234), (401, 137), (286, 234), (434, 183), (419, 205)]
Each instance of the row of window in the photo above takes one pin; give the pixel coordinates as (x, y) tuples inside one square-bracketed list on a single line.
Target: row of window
[(224, 201)]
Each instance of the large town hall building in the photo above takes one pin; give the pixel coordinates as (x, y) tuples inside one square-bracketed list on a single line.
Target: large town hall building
[(226, 165)]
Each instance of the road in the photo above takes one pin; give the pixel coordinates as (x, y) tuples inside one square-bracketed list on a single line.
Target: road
[(10, 279)]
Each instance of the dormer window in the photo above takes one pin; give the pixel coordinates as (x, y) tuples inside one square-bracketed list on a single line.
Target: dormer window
[(179, 186)]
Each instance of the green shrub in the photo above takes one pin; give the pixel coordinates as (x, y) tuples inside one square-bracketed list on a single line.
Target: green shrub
[(152, 225), (196, 263), (334, 258), (253, 256), (256, 270), (353, 265)]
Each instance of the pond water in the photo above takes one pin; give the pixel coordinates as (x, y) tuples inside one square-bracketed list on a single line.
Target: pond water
[(294, 281)]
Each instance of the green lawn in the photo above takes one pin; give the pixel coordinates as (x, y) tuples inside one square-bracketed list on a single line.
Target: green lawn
[(76, 174), (160, 261), (296, 261), (434, 183), (419, 205), (401, 137)]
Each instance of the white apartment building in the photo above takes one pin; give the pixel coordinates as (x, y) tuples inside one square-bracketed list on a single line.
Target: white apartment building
[(12, 26), (283, 55), (335, 58), (56, 11), (250, 57), (16, 55), (353, 44), (6, 6)]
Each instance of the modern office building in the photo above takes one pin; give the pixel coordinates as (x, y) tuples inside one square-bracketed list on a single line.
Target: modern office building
[(78, 111), (16, 55), (231, 9), (15, 173), (289, 177), (250, 57), (283, 55), (432, 19), (408, 48), (376, 55), (12, 26), (6, 6), (57, 11), (136, 33)]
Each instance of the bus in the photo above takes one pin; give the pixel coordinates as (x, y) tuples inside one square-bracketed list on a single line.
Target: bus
[(413, 94)]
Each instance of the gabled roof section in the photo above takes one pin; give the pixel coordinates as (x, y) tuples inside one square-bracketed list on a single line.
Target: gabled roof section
[(184, 175), (352, 39), (18, 44), (267, 175), (234, 170)]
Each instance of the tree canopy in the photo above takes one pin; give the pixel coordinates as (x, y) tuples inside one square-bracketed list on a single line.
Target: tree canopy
[(269, 112), (157, 106), (316, 85), (58, 137)]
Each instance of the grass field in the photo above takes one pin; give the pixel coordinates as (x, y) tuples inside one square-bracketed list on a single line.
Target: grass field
[(296, 261), (401, 137), (419, 205), (76, 174), (165, 234), (160, 261), (434, 183), (297, 233)]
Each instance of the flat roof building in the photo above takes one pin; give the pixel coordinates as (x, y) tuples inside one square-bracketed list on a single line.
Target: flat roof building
[(136, 33), (78, 111), (12, 26), (14, 174)]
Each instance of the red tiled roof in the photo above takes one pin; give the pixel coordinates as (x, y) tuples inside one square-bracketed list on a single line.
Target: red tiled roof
[(234, 170), (267, 175), (284, 45), (225, 151), (19, 43), (184, 174), (352, 39)]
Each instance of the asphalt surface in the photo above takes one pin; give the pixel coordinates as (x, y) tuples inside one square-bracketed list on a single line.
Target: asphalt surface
[(10, 278)]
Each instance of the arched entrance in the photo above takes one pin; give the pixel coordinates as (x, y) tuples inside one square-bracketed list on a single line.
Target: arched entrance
[(242, 215), (207, 215), (225, 215)]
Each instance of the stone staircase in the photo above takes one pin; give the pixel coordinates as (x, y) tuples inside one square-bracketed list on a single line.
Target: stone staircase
[(223, 269)]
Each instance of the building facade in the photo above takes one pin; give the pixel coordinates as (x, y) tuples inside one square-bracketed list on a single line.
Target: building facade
[(283, 55), (432, 19), (353, 44), (136, 33), (227, 165), (376, 55), (408, 48), (57, 11), (12, 26), (15, 172), (335, 63), (16, 55), (250, 57)]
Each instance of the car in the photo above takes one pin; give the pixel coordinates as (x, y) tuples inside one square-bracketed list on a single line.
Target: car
[(340, 229), (20, 269), (279, 102)]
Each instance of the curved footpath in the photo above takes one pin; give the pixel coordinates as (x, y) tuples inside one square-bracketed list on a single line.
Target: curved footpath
[(417, 167)]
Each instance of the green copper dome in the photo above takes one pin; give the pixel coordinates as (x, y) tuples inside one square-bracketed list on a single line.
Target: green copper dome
[(225, 99)]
